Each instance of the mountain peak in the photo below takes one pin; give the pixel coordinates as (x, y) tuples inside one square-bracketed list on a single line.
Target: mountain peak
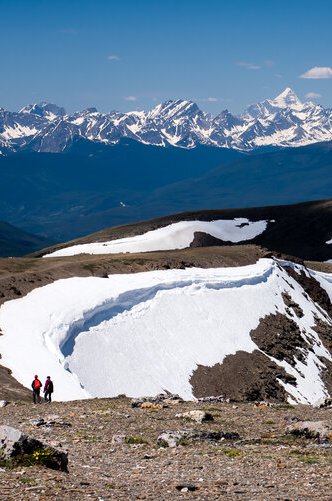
[(174, 108), (287, 99), (44, 109)]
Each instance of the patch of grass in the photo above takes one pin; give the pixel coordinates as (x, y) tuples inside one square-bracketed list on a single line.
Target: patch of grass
[(307, 457), (135, 440), (38, 457), (232, 453), (269, 421), (163, 443), (311, 460), (210, 408), (183, 441), (28, 480), (90, 438), (81, 436)]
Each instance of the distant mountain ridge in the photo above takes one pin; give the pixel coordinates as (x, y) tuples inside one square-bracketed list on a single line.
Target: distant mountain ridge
[(93, 186), (280, 122), (16, 242)]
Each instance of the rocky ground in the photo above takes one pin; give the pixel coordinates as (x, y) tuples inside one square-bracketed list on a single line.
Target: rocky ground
[(113, 453)]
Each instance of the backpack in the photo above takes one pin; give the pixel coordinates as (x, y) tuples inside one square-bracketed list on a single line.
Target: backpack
[(36, 384)]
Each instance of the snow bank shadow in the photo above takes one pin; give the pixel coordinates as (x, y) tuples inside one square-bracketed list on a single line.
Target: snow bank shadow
[(126, 301)]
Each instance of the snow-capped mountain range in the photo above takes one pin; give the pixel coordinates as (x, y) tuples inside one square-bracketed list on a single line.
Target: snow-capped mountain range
[(283, 121)]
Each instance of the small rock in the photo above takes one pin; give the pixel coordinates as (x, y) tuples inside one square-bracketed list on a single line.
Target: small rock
[(137, 402), (196, 415), (3, 403), (118, 439), (262, 405), (168, 401), (55, 443), (37, 422), (151, 406), (291, 419), (50, 423), (186, 487)]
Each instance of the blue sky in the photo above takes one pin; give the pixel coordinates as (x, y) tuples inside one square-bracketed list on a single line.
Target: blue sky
[(134, 54)]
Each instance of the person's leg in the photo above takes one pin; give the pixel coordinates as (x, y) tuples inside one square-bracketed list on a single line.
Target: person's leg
[(34, 396), (50, 397), (38, 396)]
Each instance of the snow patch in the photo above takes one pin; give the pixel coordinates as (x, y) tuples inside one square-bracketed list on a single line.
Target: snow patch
[(174, 236), (140, 333)]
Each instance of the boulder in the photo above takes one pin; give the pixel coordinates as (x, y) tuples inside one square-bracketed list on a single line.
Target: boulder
[(3, 403), (171, 438), (311, 429), (196, 415), (16, 446)]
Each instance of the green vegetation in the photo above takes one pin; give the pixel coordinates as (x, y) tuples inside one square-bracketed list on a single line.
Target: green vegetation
[(28, 480), (308, 457), (183, 441), (42, 457), (135, 440), (163, 443), (232, 453)]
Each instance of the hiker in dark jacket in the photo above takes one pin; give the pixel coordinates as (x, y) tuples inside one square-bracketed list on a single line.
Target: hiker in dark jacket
[(48, 389), (36, 386)]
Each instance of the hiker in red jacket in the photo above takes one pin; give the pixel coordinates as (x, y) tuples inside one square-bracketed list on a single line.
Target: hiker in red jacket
[(36, 386), (48, 389)]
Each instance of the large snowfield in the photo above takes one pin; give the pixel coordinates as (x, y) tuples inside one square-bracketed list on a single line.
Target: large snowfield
[(174, 236), (138, 334)]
